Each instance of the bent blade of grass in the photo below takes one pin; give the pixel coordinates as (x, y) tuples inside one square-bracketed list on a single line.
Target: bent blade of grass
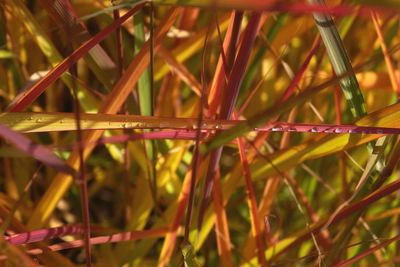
[(113, 103)]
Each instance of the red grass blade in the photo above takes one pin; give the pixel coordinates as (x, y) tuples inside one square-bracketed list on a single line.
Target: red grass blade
[(365, 253), (115, 238), (44, 234), (228, 102)]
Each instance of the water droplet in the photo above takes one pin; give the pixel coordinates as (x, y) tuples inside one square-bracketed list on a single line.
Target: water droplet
[(203, 125), (39, 120), (30, 118), (256, 129), (194, 126), (277, 128), (314, 130), (292, 129), (338, 130), (218, 126)]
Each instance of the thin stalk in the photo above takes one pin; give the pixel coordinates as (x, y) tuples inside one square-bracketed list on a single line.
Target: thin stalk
[(118, 41), (81, 174), (252, 203), (187, 248)]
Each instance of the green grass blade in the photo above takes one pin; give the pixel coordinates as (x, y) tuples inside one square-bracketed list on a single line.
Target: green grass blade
[(341, 64)]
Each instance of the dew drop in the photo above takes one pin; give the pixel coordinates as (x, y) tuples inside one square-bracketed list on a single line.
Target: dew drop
[(39, 120), (338, 130), (30, 118), (218, 126), (277, 128), (314, 130), (128, 125)]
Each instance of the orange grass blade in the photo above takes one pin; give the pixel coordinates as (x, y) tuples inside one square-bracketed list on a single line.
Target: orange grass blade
[(252, 203), (389, 64), (221, 225)]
